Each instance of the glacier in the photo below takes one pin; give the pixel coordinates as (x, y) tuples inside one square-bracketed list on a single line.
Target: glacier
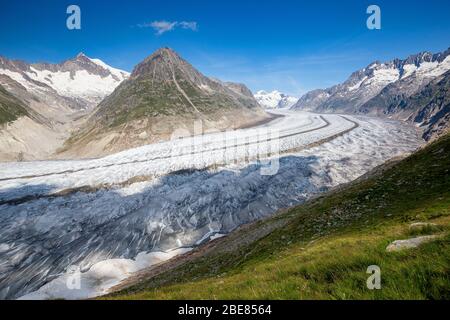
[(110, 216)]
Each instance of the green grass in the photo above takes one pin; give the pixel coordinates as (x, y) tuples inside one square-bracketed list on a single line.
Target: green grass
[(147, 98), (10, 107), (323, 248)]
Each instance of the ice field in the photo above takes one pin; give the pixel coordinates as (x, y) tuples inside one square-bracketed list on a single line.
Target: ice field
[(113, 216)]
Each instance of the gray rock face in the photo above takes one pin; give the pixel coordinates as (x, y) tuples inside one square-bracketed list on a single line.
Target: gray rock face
[(399, 245), (431, 107), (312, 100)]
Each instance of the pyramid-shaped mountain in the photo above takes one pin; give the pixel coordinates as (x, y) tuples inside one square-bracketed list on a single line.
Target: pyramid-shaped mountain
[(164, 93)]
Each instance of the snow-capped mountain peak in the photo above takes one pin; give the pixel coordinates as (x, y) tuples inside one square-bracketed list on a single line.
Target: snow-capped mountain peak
[(84, 80), (117, 72), (274, 99), (81, 55), (408, 74)]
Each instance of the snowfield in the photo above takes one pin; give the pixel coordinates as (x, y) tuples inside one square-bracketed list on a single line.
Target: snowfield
[(78, 84), (274, 99), (113, 216)]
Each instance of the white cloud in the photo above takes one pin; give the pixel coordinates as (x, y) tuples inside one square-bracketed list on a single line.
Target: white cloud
[(189, 25), (162, 26), (165, 26)]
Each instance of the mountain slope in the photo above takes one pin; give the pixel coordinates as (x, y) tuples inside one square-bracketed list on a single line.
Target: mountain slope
[(401, 77), (312, 100), (82, 82), (429, 106), (382, 89), (432, 107), (164, 93), (11, 108), (322, 249), (274, 99), (23, 130), (55, 99)]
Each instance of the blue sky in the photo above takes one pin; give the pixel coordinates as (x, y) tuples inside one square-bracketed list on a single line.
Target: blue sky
[(293, 46)]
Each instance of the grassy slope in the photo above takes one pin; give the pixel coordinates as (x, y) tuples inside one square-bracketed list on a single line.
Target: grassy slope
[(323, 248), (146, 97), (10, 107)]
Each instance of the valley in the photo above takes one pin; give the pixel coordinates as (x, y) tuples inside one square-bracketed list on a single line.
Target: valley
[(144, 167), (224, 150), (116, 215)]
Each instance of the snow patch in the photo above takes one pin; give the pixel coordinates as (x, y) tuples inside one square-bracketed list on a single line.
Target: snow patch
[(357, 85), (81, 84), (385, 76), (101, 277), (274, 99)]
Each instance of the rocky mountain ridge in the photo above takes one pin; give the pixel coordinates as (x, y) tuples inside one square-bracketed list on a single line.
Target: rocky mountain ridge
[(383, 89)]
